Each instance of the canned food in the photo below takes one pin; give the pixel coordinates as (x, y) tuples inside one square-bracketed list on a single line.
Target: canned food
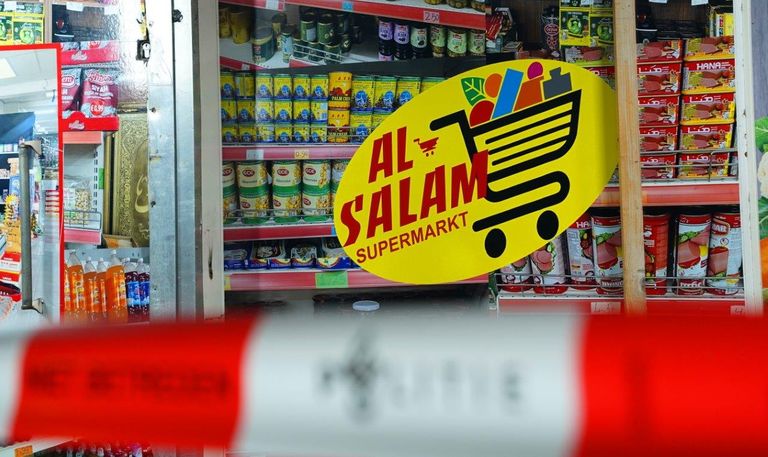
[(332, 52), (264, 85), (384, 93), (342, 22), (346, 42), (283, 110), (229, 133), (227, 81), (548, 265), (286, 44), (318, 133), (248, 133), (360, 125), (316, 173), (458, 3), (319, 111), (255, 208), (301, 86), (656, 241), (478, 5), (338, 167), (308, 27), (724, 262), (228, 174), (419, 36), (692, 252), (516, 276), (402, 32), (263, 45), (246, 111), (606, 242), (438, 37), (340, 83), (278, 21), (476, 44), (580, 254), (427, 83), (251, 175), (286, 173), (229, 205), (266, 132), (315, 51), (319, 87), (301, 132), (338, 126), (299, 49), (286, 203), (225, 26), (317, 203), (362, 93), (386, 29), (240, 25), (245, 84), (301, 112), (283, 132), (283, 87), (407, 88), (326, 28), (265, 110), (457, 43), (378, 117), (228, 111)]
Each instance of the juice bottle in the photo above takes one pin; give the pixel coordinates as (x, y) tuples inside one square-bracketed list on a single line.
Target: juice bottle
[(77, 288), (67, 310), (117, 307), (133, 289), (144, 281), (92, 292), (101, 279)]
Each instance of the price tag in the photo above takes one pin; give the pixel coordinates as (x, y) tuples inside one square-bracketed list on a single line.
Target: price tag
[(606, 307), (347, 5), (23, 451), (273, 5), (245, 66), (254, 154), (227, 282), (699, 2), (738, 310), (431, 17), (658, 1), (111, 10), (10, 6), (332, 280), (301, 154), (75, 6)]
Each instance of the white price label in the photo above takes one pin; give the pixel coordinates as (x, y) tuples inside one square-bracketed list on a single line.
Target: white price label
[(658, 1), (75, 6), (432, 17), (738, 310), (10, 6), (699, 2), (273, 5), (254, 154), (245, 66), (606, 307), (111, 10)]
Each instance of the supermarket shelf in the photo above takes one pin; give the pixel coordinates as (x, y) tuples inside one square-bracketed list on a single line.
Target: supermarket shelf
[(23, 448), (289, 152), (82, 236), (240, 57), (274, 231), (678, 193), (275, 280), (588, 302)]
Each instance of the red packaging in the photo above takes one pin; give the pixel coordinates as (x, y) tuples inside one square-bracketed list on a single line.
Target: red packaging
[(606, 242), (694, 165), (715, 136), (700, 109), (659, 110), (725, 253), (709, 76), (548, 265), (658, 165), (658, 79), (708, 48), (70, 90), (580, 254), (656, 241), (607, 74), (516, 276), (100, 94), (657, 139), (660, 51), (692, 252)]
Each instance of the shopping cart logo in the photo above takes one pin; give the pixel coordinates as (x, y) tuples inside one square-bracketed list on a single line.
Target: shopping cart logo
[(477, 172)]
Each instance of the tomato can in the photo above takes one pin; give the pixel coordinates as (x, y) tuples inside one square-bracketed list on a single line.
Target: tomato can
[(318, 86), (302, 87), (227, 81), (265, 110), (301, 132), (264, 85), (609, 262), (725, 255), (340, 83), (362, 93), (283, 132), (582, 264), (301, 112), (656, 242), (692, 251), (245, 85), (318, 133), (548, 265), (385, 89), (286, 173), (516, 276), (283, 110), (283, 86)]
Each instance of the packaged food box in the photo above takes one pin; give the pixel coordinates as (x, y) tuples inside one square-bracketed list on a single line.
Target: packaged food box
[(574, 27), (236, 256), (659, 110), (715, 136), (303, 255), (658, 165), (709, 76), (657, 139), (269, 254), (708, 48), (703, 165), (658, 79), (601, 28), (660, 51), (708, 109), (333, 256), (589, 56), (606, 73)]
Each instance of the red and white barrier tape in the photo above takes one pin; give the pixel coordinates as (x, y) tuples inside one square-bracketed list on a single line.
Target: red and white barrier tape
[(523, 385)]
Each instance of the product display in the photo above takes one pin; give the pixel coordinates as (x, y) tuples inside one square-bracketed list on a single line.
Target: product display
[(322, 254)]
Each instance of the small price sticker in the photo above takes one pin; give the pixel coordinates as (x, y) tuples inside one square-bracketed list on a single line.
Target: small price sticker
[(23, 451), (273, 5), (254, 154), (75, 6), (431, 17), (301, 154), (606, 307), (347, 5), (227, 283), (10, 6), (738, 310), (332, 280), (699, 2), (245, 67)]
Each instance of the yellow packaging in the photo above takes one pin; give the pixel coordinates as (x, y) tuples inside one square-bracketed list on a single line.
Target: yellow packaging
[(283, 110), (248, 133), (384, 93), (318, 87), (301, 112), (360, 126), (265, 110), (286, 173), (283, 86), (378, 118), (319, 109), (407, 88), (429, 82), (283, 132), (301, 86), (226, 80), (245, 85), (286, 204), (266, 132), (230, 133), (256, 206), (340, 84), (251, 174), (316, 173), (301, 132), (362, 93), (246, 111), (228, 111), (318, 133), (264, 85)]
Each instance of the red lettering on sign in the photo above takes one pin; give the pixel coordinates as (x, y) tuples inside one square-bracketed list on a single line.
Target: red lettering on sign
[(434, 192), (476, 182), (381, 211)]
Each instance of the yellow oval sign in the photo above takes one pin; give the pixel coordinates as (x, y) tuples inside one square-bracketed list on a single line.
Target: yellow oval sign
[(478, 172)]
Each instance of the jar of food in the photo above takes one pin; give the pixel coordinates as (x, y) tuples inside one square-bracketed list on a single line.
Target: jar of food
[(419, 36), (438, 37), (386, 29), (458, 3), (402, 33), (457, 42), (478, 5), (263, 44), (476, 44), (326, 29), (308, 27)]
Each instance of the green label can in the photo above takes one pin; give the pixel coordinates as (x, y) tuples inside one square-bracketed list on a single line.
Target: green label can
[(301, 86), (362, 93), (255, 206), (286, 173), (283, 86), (319, 87), (228, 174), (251, 175), (283, 110), (301, 111), (308, 27), (326, 29), (378, 118), (477, 42), (263, 45), (457, 43), (265, 110), (316, 173), (316, 202), (286, 202), (318, 133), (426, 83), (264, 85)]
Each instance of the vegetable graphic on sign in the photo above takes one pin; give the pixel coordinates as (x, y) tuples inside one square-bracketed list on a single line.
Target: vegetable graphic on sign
[(492, 173)]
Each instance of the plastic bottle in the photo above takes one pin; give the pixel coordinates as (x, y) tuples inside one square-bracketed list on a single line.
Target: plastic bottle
[(76, 287), (101, 279), (117, 306), (92, 293), (145, 282), (133, 291), (67, 309)]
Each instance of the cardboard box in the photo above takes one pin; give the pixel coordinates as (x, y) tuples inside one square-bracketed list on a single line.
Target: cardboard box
[(606, 73), (660, 51), (659, 110), (658, 139), (709, 48), (589, 56), (715, 136), (658, 79), (709, 76), (699, 165), (700, 109), (27, 28), (658, 165), (574, 27)]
